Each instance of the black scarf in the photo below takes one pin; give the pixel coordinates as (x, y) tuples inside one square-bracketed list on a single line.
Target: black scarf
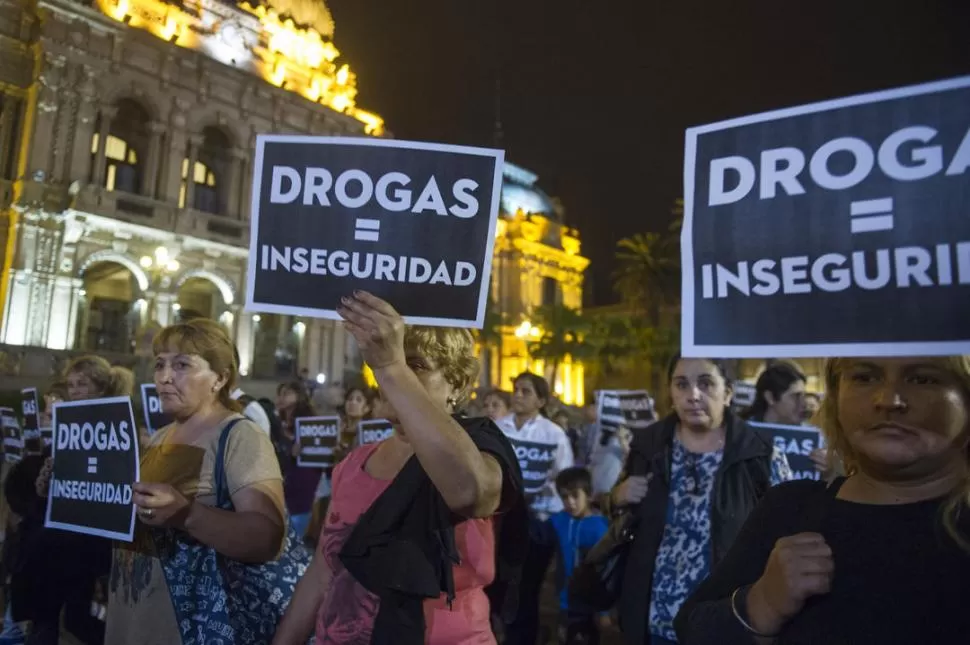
[(403, 547)]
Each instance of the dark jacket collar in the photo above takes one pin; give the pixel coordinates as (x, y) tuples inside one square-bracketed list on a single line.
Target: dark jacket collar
[(403, 547), (741, 441)]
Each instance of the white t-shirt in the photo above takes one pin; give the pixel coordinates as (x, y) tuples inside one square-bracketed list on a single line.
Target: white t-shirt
[(543, 451), (254, 411)]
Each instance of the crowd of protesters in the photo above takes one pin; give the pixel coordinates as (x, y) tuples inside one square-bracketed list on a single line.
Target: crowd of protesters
[(450, 531)]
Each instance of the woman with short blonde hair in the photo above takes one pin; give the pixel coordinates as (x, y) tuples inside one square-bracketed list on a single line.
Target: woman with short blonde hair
[(880, 556), (409, 544)]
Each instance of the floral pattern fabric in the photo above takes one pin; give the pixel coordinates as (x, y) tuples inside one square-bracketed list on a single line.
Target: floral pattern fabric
[(684, 557)]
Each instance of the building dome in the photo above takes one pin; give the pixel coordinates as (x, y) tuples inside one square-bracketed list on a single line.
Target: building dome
[(519, 192)]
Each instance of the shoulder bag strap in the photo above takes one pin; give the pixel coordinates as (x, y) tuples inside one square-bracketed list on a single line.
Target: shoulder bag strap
[(219, 471)]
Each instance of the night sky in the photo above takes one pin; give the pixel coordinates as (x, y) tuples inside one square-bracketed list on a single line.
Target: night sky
[(595, 96)]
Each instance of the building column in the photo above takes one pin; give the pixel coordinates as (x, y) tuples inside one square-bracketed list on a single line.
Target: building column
[(195, 141), (17, 309), (156, 130), (235, 190), (6, 129), (245, 187), (244, 341), (164, 313), (313, 359), (97, 173), (170, 179), (76, 303), (80, 165), (63, 304)]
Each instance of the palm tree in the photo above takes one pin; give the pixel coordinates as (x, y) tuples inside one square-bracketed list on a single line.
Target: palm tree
[(563, 331), (648, 272)]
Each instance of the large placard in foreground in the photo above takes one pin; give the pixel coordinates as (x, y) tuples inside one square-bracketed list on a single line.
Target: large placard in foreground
[(833, 229), (412, 223)]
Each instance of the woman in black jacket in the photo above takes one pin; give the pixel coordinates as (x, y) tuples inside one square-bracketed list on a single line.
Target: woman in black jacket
[(881, 556), (691, 480)]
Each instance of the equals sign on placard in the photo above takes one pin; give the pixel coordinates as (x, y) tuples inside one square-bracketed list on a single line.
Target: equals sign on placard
[(92, 465), (367, 230), (872, 215)]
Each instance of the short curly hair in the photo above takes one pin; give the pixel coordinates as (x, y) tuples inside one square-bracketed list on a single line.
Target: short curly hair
[(453, 352)]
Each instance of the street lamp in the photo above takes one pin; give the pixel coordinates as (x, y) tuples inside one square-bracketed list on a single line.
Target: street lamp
[(527, 331), (161, 265)]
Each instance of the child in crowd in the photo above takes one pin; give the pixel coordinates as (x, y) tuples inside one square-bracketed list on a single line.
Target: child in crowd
[(577, 529)]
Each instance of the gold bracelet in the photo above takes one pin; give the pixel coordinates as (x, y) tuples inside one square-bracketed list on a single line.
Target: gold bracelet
[(744, 623)]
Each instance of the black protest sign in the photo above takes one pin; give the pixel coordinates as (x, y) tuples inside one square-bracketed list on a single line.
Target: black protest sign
[(13, 438), (796, 443), (318, 439), (31, 416), (95, 454), (631, 408), (374, 431), (155, 419), (536, 460), (412, 223), (743, 395), (799, 224)]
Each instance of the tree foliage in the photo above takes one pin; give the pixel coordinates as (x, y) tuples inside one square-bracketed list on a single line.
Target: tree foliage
[(563, 332)]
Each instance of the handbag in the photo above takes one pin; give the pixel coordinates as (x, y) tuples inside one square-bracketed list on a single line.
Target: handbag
[(220, 601), (597, 582)]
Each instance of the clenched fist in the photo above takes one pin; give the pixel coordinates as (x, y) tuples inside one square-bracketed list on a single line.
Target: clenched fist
[(799, 567)]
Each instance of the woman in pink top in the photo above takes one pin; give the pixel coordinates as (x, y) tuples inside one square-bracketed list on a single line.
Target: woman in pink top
[(409, 544)]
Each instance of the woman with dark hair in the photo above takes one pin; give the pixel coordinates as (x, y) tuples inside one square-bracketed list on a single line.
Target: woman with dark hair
[(497, 404), (543, 451), (356, 407), (779, 396), (881, 556), (299, 484), (691, 479)]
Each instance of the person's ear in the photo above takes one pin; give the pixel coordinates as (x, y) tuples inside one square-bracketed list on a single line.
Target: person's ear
[(770, 398)]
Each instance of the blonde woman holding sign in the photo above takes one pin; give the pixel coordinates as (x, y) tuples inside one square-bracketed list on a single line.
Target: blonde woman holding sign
[(410, 542), (881, 556)]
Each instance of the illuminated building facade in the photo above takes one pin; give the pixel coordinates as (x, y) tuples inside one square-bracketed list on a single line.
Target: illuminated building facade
[(537, 262), (126, 131)]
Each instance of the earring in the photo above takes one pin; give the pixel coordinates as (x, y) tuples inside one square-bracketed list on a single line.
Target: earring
[(451, 402)]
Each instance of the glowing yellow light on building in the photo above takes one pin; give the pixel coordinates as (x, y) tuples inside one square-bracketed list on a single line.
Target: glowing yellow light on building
[(279, 74), (373, 124), (172, 266), (343, 75), (340, 102), (299, 59), (170, 28), (161, 255), (145, 262)]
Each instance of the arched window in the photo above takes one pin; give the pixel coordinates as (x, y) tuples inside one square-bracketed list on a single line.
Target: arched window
[(125, 148), (210, 174)]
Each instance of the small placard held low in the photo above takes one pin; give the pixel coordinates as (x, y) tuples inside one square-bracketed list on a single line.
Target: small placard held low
[(374, 431), (96, 461), (318, 439)]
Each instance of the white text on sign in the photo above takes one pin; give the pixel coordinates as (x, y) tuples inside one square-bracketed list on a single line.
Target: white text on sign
[(782, 167), (87, 436), (355, 188)]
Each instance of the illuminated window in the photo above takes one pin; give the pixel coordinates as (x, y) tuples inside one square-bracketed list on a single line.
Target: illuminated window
[(209, 175), (127, 139)]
